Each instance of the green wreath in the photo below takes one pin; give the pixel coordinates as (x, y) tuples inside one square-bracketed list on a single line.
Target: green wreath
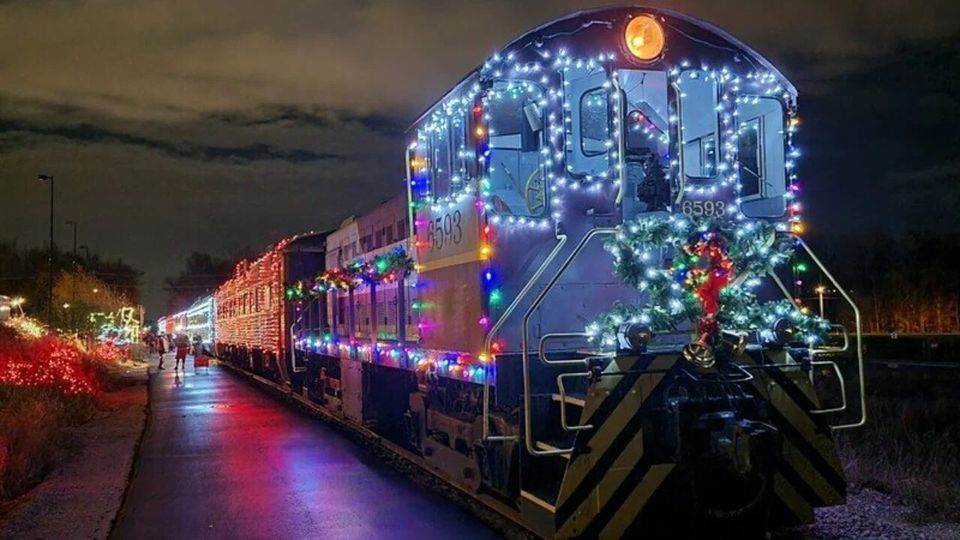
[(739, 254)]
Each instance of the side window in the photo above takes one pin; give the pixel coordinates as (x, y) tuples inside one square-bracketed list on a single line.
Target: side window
[(440, 159), (761, 156), (514, 115), (422, 164), (698, 125), (594, 126), (462, 155), (588, 106), (750, 156)]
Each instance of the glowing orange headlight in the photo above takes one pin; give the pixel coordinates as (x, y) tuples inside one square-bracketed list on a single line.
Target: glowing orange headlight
[(644, 37)]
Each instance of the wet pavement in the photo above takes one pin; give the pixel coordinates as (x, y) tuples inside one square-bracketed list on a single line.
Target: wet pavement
[(221, 459)]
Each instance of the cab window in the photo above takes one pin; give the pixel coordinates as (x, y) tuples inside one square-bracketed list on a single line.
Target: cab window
[(751, 157), (698, 125), (594, 126), (515, 123), (587, 100), (761, 156)]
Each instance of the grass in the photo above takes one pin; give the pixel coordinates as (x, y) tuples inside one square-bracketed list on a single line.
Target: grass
[(910, 446), (33, 434)]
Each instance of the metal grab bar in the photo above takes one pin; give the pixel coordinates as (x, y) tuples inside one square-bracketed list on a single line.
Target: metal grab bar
[(846, 342), (561, 241), (843, 387), (296, 323), (563, 402), (525, 339), (541, 349), (856, 314)]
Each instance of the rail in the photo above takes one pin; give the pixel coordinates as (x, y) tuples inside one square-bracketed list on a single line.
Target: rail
[(859, 343)]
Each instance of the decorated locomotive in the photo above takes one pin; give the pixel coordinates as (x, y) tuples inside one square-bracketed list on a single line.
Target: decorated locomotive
[(572, 314)]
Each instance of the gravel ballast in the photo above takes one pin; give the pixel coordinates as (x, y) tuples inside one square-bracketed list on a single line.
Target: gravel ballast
[(870, 514)]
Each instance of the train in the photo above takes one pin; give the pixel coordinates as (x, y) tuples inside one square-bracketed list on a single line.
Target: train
[(196, 322), (567, 313)]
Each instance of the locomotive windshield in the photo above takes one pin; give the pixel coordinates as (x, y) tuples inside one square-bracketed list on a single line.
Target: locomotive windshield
[(698, 125)]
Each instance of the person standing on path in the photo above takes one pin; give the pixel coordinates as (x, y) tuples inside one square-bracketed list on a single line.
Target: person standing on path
[(161, 349), (183, 347)]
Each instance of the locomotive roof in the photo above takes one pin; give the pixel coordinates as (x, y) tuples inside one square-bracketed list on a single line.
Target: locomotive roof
[(704, 35)]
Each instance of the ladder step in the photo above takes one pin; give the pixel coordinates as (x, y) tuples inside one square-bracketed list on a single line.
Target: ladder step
[(545, 446), (570, 400)]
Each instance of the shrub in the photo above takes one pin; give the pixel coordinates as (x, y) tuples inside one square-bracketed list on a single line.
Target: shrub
[(32, 437), (910, 446)]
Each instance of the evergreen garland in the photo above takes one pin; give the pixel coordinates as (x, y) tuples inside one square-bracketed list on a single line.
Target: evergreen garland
[(385, 268), (749, 251)]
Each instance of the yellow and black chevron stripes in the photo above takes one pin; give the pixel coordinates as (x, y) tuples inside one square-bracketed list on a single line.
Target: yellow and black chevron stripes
[(809, 474), (608, 481)]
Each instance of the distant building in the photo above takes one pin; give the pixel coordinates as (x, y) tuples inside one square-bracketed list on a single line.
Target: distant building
[(4, 307)]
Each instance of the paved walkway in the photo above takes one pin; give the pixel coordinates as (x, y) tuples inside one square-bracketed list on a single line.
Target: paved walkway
[(221, 459)]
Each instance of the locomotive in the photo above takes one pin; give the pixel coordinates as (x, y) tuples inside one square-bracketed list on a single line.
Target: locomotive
[(457, 322)]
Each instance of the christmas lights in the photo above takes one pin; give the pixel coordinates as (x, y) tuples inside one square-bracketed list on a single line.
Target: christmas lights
[(715, 266), (45, 362), (249, 306), (389, 267)]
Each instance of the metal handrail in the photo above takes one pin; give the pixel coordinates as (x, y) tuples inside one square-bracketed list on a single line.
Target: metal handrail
[(563, 403), (296, 323), (843, 387), (844, 348), (856, 314), (561, 241), (524, 342), (542, 349)]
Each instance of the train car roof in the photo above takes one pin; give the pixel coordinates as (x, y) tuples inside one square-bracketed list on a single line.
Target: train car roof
[(588, 17)]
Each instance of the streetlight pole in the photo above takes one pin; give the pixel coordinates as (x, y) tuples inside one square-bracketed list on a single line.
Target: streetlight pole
[(820, 290), (76, 262), (49, 178), (75, 227)]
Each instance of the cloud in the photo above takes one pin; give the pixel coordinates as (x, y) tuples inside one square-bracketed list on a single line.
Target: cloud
[(315, 116), (145, 59), (90, 134)]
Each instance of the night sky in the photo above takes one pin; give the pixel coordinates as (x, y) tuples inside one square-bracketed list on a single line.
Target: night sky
[(179, 126)]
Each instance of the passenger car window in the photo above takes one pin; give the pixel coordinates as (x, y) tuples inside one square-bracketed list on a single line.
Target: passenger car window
[(698, 125), (594, 126)]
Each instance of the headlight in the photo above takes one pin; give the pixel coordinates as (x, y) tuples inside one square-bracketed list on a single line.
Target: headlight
[(644, 37)]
